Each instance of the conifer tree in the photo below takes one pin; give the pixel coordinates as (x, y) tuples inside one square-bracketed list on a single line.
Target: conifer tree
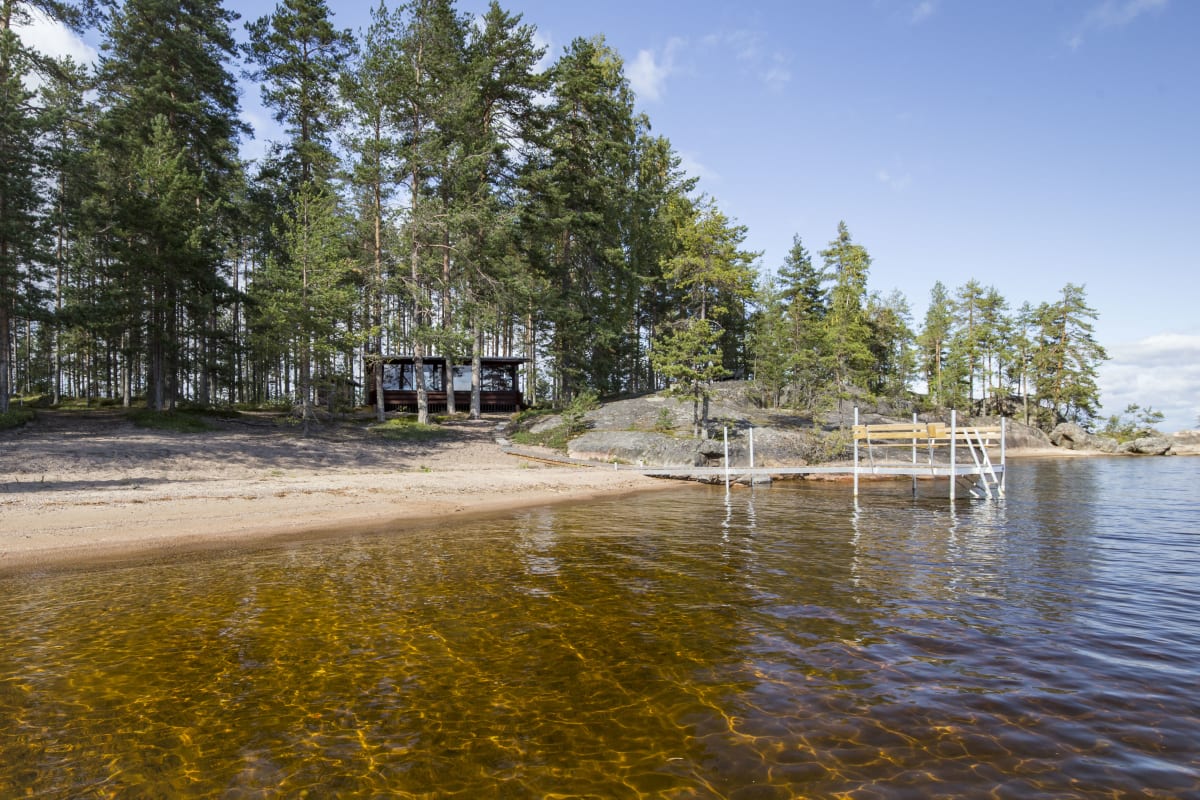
[(848, 334), (297, 55), (67, 119), (578, 184), (660, 190), (933, 342), (498, 113), (168, 134), (807, 302), (714, 277), (428, 99), (1067, 357), (372, 142), (893, 355), (19, 200), (772, 344), (309, 287)]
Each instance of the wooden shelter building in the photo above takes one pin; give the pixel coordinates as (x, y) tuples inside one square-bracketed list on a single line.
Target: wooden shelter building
[(499, 387)]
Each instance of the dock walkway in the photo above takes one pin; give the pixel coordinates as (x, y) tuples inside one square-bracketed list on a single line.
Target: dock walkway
[(917, 450)]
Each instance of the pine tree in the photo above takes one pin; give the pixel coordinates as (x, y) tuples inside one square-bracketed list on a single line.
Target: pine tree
[(933, 342), (309, 288), (807, 306), (19, 200), (661, 187), (772, 345), (67, 119), (168, 136), (687, 354), (427, 84), (1067, 357), (498, 112), (892, 343), (298, 54), (847, 332), (367, 87), (578, 183), (715, 277)]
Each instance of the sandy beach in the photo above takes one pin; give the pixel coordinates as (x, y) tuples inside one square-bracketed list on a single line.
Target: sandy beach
[(87, 487)]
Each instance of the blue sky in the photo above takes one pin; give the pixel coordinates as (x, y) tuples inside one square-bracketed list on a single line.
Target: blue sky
[(1026, 144)]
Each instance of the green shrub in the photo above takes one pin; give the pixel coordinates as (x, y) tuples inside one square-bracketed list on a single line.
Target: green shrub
[(177, 421), (556, 438), (573, 414), (15, 417), (407, 429)]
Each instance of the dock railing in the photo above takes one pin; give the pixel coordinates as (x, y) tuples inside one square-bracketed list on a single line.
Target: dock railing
[(933, 439)]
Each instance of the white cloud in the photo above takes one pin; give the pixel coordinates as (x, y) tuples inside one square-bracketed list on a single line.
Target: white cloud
[(1112, 14), (548, 55), (1161, 371), (923, 11), (778, 74), (772, 68), (55, 39), (648, 73), (746, 44), (896, 182), (693, 167)]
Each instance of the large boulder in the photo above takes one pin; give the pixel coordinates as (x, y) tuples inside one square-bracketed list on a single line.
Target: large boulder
[(1147, 446), (1185, 443), (1018, 434), (1071, 436)]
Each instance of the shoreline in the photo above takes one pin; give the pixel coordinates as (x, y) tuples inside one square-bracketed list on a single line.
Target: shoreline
[(91, 489), (79, 489), (74, 532)]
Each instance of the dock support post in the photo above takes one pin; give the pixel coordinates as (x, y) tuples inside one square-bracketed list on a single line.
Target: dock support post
[(725, 434), (752, 454), (953, 457), (1003, 466), (855, 452), (914, 454)]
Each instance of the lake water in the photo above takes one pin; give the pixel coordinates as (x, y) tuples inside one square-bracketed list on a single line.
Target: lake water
[(781, 642)]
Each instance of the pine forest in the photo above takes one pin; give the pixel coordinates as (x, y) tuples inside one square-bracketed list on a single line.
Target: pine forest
[(444, 188)]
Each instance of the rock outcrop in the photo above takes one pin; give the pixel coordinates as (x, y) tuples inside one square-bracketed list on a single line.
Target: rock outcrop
[(656, 431), (1071, 436), (1147, 446), (1185, 443)]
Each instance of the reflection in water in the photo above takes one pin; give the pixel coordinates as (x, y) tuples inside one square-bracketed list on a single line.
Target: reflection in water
[(813, 645)]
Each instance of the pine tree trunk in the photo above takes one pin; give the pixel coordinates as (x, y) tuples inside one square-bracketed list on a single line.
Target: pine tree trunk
[(5, 365), (476, 370)]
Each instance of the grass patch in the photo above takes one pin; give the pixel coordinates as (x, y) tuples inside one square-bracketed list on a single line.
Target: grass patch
[(82, 404), (15, 417), (555, 438), (176, 421), (402, 429)]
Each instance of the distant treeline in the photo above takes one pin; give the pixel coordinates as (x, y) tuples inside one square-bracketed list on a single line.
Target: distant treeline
[(438, 192)]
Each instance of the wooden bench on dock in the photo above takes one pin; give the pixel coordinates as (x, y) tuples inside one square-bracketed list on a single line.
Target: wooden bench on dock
[(906, 433)]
